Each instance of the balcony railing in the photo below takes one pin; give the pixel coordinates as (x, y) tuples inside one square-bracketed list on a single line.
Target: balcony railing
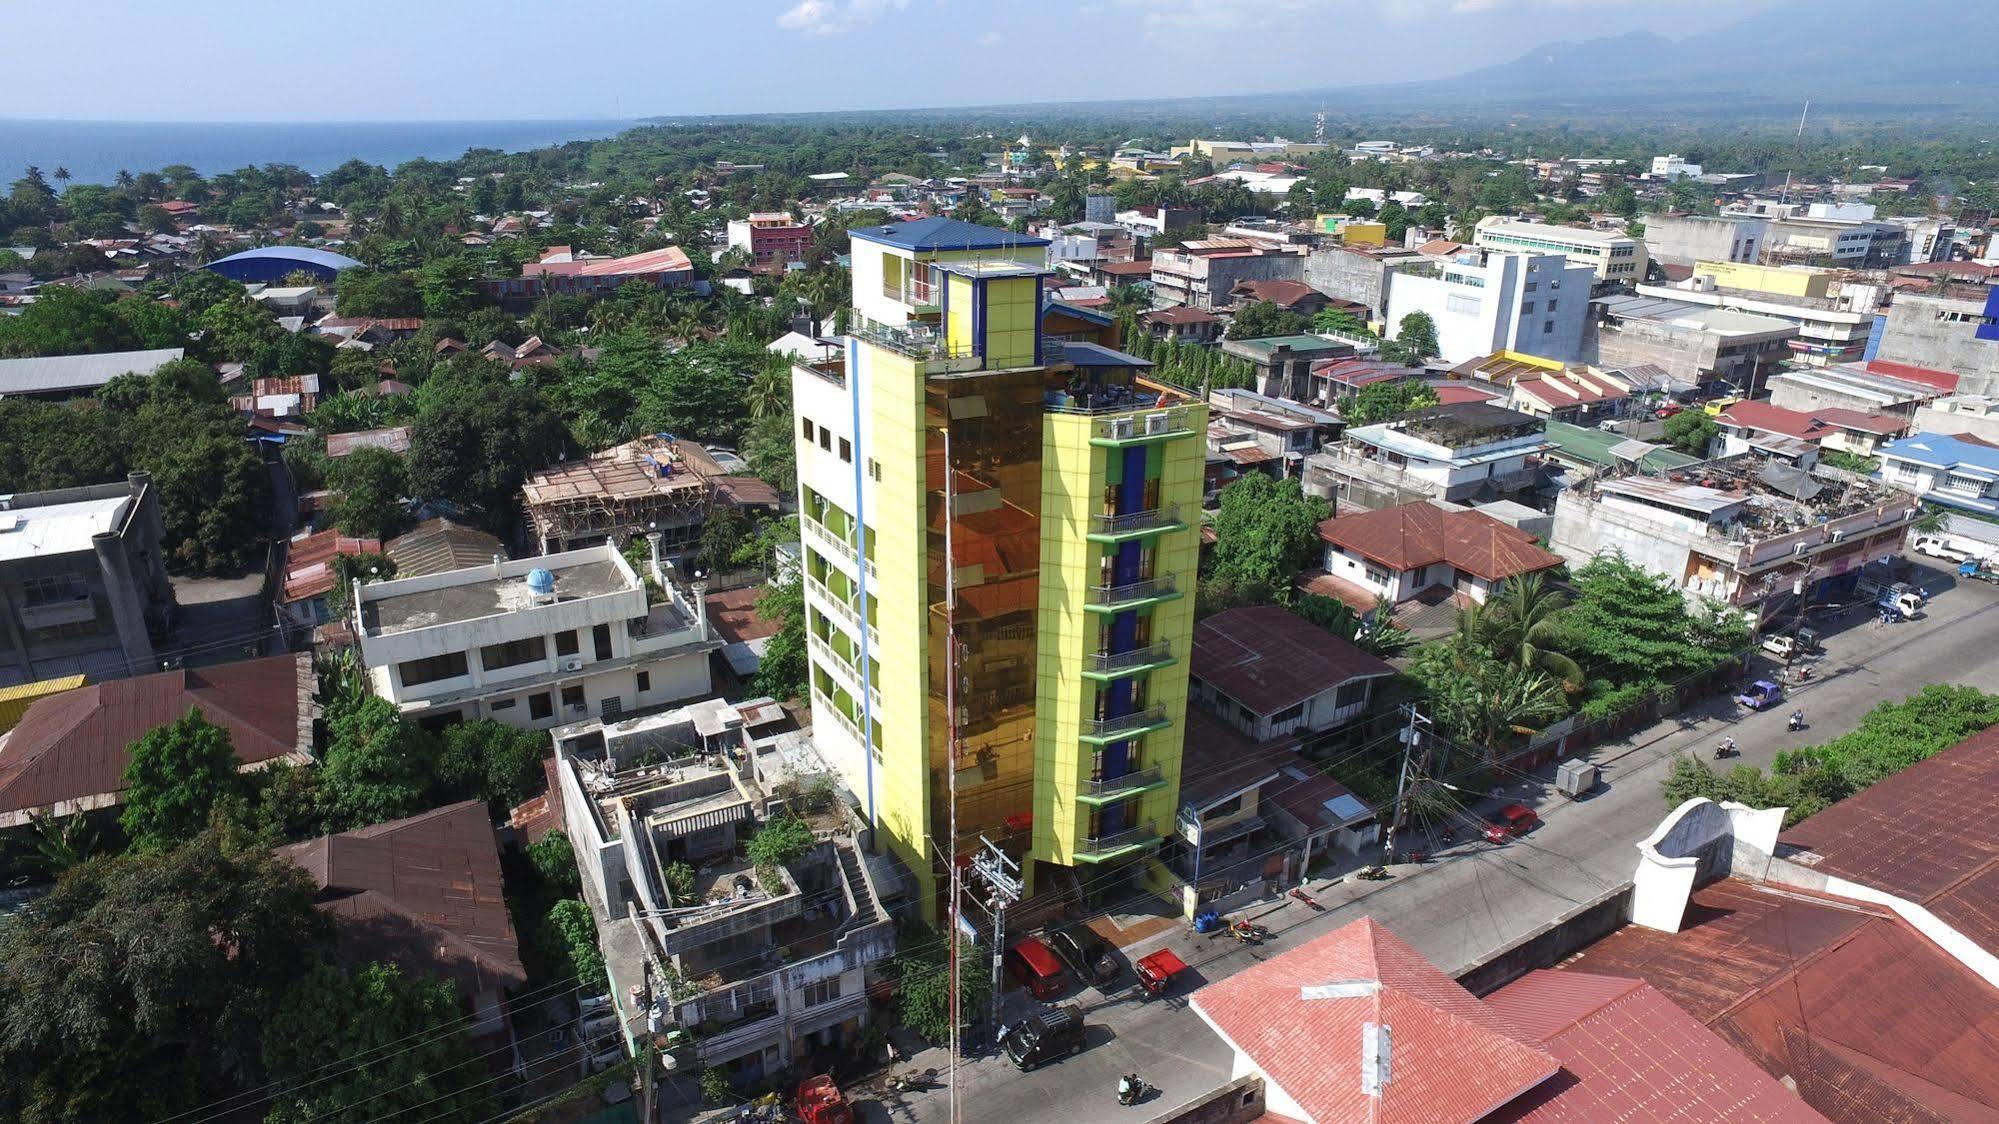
[(1151, 423), (920, 294), (1132, 591), (915, 341), (1097, 844), (1124, 723), (830, 657), (1140, 778), (1167, 515), (841, 608), (1107, 663), (822, 537)]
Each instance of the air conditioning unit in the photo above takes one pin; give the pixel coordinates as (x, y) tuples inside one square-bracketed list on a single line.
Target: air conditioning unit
[(1120, 428), (1800, 548), (572, 665), (1836, 536), (1156, 423)]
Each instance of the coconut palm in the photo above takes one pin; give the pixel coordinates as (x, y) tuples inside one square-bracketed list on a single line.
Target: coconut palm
[(1522, 627), (770, 390)]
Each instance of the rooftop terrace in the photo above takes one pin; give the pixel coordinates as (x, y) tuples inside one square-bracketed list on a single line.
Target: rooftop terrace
[(484, 593)]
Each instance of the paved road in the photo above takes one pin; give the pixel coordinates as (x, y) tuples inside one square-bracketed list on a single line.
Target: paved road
[(1478, 899)]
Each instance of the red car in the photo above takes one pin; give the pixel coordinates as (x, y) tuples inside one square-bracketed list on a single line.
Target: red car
[(1510, 822), (1668, 410)]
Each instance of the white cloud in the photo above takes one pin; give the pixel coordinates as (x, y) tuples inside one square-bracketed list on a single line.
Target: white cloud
[(989, 39), (831, 17)]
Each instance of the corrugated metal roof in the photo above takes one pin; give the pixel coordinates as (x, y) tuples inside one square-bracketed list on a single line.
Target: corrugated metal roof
[(58, 374), (74, 746), (1267, 658)]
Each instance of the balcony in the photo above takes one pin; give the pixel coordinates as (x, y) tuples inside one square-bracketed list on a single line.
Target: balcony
[(841, 668), (912, 292), (1139, 426), (1136, 524), (1110, 790), (1125, 726), (840, 608), (1104, 848), (829, 543), (1131, 595), (917, 341), (1117, 665)]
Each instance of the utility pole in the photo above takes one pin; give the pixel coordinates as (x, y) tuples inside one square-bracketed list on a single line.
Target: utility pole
[(1416, 740), (1001, 876), (951, 755)]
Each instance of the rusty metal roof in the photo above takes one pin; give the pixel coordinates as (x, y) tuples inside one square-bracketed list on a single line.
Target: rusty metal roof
[(424, 893), (71, 749), (1268, 658)]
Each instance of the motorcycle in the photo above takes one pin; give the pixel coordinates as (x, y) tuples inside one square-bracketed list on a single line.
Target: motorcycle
[(911, 1082), (1726, 749), (1371, 873), (1248, 933), (1131, 1089), (1797, 720), (1302, 896)]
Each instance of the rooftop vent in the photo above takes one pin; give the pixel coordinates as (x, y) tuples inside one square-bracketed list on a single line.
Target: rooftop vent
[(541, 583)]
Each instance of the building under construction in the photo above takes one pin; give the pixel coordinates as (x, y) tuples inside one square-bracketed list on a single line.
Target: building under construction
[(656, 483)]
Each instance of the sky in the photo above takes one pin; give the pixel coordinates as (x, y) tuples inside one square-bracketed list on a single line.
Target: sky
[(432, 60)]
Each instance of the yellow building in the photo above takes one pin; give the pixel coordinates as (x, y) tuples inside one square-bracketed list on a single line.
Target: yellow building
[(1778, 280), (1066, 486), (15, 701)]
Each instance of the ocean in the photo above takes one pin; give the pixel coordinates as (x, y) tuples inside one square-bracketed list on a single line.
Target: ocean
[(95, 151)]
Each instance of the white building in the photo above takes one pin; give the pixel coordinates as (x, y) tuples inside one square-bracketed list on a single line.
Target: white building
[(1458, 453), (1532, 303), (533, 642), (1673, 167), (1676, 239), (1613, 256)]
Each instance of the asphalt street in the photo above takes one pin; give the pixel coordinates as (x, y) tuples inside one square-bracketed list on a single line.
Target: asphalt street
[(1476, 898)]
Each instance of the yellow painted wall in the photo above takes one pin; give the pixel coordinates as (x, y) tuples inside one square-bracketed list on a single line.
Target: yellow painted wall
[(1788, 281), (1012, 322), (893, 390), (1364, 233), (958, 320)]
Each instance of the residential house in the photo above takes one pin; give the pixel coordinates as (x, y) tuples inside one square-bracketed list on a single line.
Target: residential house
[(1291, 296), (1750, 530), (1839, 430), (83, 582), (1271, 674), (1549, 389), (1282, 365), (1261, 433), (1460, 453), (424, 894), (1957, 472), (1356, 1025), (1335, 381), (1399, 553), (1182, 324), (770, 236), (562, 270), (1204, 272), (310, 575), (535, 642), (68, 753), (764, 966)]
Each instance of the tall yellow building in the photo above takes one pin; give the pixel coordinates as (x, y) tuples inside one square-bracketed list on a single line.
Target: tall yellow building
[(1067, 484)]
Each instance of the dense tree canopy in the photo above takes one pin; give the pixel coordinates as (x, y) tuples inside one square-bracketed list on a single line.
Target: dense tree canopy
[(477, 436), (1266, 531), (176, 776)]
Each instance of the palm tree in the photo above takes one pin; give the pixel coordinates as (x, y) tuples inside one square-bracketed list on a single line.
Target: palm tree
[(1523, 628), (62, 175), (123, 178), (62, 844), (1933, 520), (770, 390)]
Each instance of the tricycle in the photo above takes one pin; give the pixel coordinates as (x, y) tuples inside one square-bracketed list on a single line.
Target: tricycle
[(1156, 971)]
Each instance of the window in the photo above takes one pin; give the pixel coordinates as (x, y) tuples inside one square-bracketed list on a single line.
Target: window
[(846, 450), (1224, 809), (1352, 693), (1533, 285), (55, 590), (805, 428), (565, 643), (513, 653), (502, 704), (823, 992), (645, 682), (826, 439), (1288, 714), (414, 673), (1552, 304), (1527, 309), (539, 707), (572, 697), (69, 630), (874, 470), (1547, 326), (600, 636), (1377, 576)]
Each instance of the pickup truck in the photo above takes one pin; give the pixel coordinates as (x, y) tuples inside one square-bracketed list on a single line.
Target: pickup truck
[(1973, 568)]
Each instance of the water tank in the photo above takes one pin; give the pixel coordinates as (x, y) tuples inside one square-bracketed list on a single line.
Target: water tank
[(541, 583)]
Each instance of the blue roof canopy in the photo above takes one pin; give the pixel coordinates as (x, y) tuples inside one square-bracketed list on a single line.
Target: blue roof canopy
[(1941, 450), (1084, 354), (939, 233), (269, 263)]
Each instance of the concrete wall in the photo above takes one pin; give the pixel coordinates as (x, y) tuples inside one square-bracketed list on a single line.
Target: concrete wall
[(1686, 239), (1238, 1101), (1585, 528), (1551, 943), (1345, 275), (1939, 332)]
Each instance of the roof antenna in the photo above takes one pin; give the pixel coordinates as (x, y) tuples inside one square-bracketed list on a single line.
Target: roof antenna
[(1797, 149)]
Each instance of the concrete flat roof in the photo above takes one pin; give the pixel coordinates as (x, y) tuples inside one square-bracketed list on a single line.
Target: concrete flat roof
[(1693, 497), (63, 528), (485, 596)]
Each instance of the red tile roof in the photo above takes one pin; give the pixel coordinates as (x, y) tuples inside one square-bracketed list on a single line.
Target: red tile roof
[(1140, 268), (1418, 534), (1809, 425), (1300, 1017), (1355, 373), (732, 613), (1268, 658), (1628, 1054), (69, 751), (1178, 314), (424, 893), (1282, 293), (1909, 372), (1458, 393)]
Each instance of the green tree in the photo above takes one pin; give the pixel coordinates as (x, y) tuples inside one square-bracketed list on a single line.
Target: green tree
[(176, 775), (372, 484), (377, 767), (554, 862), (449, 287), (363, 291), (1417, 335), (491, 761), (1342, 321), (782, 668), (236, 329), (1266, 531), (1479, 699), (1628, 625), (477, 435), (1692, 431), (1522, 626), (568, 939), (782, 840), (65, 320), (410, 1029), (923, 983), (700, 392), (1376, 633), (772, 455), (136, 989), (1264, 318), (723, 534), (1385, 401)]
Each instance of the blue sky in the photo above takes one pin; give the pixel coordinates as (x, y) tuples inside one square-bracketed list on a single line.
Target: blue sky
[(232, 60)]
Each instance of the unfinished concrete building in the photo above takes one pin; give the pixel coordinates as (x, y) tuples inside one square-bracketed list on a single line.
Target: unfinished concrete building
[(657, 483)]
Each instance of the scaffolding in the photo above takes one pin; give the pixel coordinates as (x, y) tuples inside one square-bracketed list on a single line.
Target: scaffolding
[(657, 483)]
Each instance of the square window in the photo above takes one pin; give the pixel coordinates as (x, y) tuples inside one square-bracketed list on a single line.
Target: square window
[(645, 682), (805, 427), (1547, 326), (572, 696), (846, 450), (539, 707), (565, 643), (826, 439)]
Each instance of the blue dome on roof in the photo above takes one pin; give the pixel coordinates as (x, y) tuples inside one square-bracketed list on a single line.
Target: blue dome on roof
[(541, 582), (269, 263)]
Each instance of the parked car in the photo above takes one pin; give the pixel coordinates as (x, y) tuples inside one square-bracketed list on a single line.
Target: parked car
[(1041, 1038), (1668, 410), (1785, 645), (1035, 966), (1087, 954), (1760, 694), (1511, 822)]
